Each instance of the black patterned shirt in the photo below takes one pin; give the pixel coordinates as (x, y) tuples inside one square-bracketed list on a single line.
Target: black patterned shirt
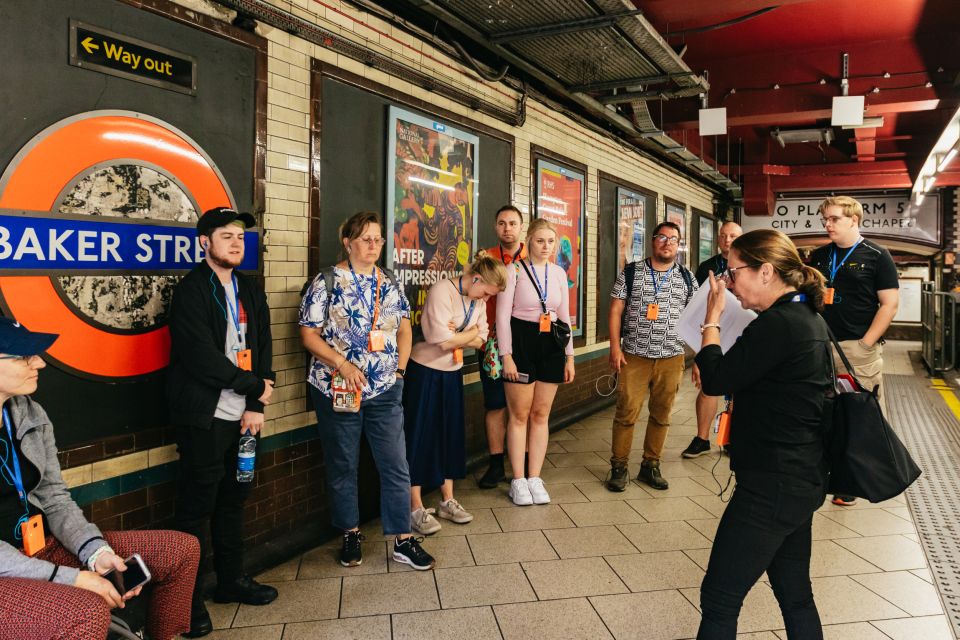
[(653, 338)]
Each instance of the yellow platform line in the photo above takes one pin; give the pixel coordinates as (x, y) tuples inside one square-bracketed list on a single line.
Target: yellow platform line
[(949, 397)]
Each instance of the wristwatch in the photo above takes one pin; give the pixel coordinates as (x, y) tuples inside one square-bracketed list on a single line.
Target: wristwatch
[(401, 372), (704, 327)]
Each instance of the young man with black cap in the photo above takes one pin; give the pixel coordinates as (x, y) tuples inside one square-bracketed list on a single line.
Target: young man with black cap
[(217, 385)]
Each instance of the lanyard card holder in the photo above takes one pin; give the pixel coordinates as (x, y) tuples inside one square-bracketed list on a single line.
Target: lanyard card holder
[(31, 530), (345, 399), (723, 425)]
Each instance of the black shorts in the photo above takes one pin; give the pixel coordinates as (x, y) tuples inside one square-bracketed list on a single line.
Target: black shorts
[(536, 354)]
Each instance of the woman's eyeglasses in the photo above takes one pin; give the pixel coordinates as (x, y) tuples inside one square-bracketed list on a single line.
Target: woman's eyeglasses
[(731, 273), (372, 242), (17, 358), (666, 239)]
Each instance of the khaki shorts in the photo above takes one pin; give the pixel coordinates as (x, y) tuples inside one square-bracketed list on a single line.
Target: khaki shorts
[(867, 363)]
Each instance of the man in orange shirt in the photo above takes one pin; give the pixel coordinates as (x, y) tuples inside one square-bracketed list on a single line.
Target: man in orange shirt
[(509, 223)]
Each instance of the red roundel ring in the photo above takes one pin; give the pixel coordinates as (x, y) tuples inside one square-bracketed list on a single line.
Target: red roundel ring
[(34, 179)]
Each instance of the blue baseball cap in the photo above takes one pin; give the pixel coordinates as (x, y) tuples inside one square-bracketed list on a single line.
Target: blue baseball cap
[(17, 340)]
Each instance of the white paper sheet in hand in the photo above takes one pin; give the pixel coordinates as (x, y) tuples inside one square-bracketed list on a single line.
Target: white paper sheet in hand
[(733, 320)]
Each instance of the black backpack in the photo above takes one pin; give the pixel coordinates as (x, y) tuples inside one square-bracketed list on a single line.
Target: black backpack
[(327, 273)]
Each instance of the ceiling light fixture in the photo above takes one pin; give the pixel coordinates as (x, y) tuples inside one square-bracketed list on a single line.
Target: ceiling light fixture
[(938, 160)]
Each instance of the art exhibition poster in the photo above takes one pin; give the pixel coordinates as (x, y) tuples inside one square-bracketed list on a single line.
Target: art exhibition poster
[(432, 173)]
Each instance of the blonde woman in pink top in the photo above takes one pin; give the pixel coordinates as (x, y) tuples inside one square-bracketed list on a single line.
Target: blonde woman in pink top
[(454, 318), (533, 363)]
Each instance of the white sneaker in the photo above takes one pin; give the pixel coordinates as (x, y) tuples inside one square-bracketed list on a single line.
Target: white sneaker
[(519, 492), (423, 522), (537, 491)]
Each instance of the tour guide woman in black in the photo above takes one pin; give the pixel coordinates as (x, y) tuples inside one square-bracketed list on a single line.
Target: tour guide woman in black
[(777, 374)]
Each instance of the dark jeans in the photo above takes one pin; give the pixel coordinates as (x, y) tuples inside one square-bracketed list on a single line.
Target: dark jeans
[(766, 527), (381, 419), (208, 491)]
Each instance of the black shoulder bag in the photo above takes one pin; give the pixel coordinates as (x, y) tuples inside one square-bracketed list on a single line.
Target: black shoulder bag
[(559, 329), (865, 456)]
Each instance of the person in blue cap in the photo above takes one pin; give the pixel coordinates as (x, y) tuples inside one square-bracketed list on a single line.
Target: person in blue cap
[(51, 558)]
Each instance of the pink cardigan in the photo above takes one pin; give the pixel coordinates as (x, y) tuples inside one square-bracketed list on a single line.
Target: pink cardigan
[(443, 304), (520, 300)]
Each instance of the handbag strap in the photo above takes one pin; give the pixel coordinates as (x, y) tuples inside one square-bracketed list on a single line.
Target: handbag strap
[(843, 357), (535, 285)]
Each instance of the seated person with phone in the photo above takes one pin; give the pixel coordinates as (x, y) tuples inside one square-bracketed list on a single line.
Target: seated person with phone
[(59, 575)]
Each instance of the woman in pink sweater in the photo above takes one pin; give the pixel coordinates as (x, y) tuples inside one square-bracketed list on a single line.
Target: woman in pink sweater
[(533, 363), (454, 317)]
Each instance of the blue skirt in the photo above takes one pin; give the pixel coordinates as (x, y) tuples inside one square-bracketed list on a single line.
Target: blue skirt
[(434, 427)]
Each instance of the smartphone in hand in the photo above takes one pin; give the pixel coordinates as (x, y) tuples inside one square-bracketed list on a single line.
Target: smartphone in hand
[(135, 576)]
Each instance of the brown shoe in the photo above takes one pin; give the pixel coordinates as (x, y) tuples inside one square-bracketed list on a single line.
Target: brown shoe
[(650, 473)]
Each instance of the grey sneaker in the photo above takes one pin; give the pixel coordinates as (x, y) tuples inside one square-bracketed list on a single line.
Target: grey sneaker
[(451, 510), (423, 522)]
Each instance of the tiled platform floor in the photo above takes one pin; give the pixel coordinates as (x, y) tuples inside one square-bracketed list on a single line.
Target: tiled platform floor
[(594, 564)]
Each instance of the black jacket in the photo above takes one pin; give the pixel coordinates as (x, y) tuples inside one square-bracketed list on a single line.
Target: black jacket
[(777, 373), (199, 370)]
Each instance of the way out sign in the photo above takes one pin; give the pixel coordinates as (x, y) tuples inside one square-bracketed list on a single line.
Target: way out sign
[(131, 58)]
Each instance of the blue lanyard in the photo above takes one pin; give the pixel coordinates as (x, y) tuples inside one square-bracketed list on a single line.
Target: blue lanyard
[(14, 473), (466, 314), (542, 292), (721, 265), (357, 282), (515, 256), (834, 267), (235, 307), (658, 281)]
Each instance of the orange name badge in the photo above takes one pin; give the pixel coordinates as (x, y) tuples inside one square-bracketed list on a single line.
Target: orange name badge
[(32, 533), (376, 341), (653, 311), (245, 359), (723, 429), (828, 295), (458, 356), (545, 323)]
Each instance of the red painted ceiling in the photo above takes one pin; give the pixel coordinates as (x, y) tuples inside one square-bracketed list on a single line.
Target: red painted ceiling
[(798, 45)]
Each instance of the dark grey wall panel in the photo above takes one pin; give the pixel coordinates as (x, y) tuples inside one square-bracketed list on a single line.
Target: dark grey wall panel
[(353, 161)]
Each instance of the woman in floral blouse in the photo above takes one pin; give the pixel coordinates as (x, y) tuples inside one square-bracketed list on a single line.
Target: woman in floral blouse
[(360, 338)]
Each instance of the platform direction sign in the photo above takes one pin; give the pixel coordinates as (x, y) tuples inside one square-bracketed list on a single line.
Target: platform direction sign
[(131, 58)]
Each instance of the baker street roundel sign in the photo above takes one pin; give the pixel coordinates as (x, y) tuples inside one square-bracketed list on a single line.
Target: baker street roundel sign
[(97, 219)]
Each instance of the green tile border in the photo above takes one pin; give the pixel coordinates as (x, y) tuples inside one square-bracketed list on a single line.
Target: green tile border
[(105, 489)]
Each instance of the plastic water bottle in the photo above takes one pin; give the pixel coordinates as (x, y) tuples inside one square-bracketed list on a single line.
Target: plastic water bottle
[(246, 456)]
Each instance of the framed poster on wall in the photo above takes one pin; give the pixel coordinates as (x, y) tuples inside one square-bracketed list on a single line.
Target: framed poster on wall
[(560, 198), (432, 196), (706, 240), (631, 227), (677, 214)]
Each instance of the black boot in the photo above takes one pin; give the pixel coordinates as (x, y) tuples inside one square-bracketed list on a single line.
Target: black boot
[(245, 590), (200, 623), (618, 477), (650, 473), (494, 474)]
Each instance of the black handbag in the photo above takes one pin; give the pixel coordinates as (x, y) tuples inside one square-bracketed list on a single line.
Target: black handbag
[(559, 330), (864, 454)]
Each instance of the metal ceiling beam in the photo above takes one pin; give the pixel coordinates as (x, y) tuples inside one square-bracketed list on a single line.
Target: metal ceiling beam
[(630, 82), (558, 28), (630, 96)]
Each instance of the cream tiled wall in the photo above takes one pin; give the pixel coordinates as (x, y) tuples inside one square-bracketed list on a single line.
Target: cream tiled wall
[(288, 159)]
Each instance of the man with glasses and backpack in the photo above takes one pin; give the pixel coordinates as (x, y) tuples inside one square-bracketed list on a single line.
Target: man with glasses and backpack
[(647, 353)]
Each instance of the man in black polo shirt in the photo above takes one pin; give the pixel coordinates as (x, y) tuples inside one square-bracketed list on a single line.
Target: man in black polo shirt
[(707, 405), (862, 292)]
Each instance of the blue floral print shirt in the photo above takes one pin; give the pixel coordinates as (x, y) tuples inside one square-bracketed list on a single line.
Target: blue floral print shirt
[(346, 326)]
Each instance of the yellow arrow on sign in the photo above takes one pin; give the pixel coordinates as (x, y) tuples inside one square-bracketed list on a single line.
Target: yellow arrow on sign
[(87, 44)]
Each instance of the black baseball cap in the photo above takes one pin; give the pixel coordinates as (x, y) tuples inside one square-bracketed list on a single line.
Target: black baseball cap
[(221, 217), (17, 340)]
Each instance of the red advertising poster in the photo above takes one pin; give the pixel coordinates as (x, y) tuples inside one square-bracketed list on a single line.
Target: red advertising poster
[(560, 199)]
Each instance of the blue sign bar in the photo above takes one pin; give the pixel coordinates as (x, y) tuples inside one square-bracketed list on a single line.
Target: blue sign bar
[(58, 243)]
